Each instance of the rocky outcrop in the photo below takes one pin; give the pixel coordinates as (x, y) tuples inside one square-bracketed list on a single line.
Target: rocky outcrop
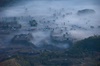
[(22, 38), (60, 36), (22, 41), (86, 12)]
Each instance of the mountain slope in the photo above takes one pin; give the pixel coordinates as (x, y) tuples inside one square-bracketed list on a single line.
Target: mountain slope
[(83, 53), (88, 44), (10, 62)]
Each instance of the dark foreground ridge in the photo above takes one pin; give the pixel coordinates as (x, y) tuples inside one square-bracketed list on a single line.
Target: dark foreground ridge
[(83, 53)]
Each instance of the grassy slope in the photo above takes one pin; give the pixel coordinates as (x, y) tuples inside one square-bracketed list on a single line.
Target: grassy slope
[(10, 62)]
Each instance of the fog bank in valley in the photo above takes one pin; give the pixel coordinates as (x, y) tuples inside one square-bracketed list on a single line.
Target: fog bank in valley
[(55, 16)]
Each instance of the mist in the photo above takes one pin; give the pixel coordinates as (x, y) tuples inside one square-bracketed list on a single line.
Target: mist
[(61, 14)]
